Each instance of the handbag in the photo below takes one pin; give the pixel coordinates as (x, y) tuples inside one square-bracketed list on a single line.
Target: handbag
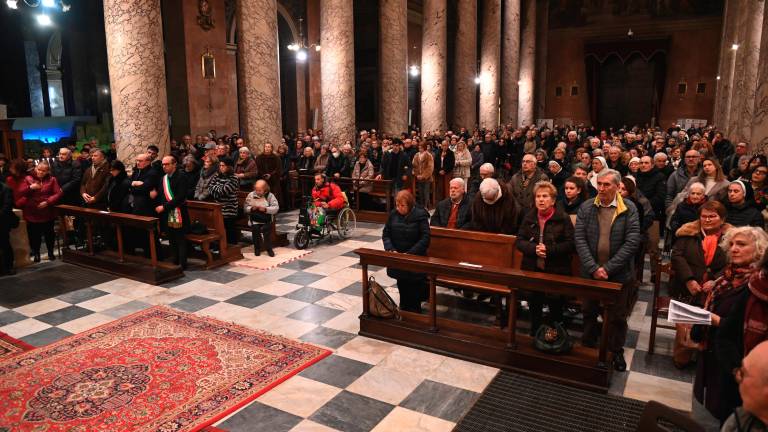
[(380, 304), (198, 228), (552, 339), (685, 347)]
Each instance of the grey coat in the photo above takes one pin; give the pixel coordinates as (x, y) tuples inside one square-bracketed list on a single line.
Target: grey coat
[(675, 184), (625, 240)]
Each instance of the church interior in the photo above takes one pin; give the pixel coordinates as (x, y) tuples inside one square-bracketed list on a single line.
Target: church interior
[(383, 215)]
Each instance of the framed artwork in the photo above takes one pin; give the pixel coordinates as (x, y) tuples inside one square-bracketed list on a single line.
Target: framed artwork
[(208, 65)]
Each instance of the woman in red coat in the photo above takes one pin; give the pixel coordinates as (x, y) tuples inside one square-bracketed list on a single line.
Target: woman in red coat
[(38, 193)]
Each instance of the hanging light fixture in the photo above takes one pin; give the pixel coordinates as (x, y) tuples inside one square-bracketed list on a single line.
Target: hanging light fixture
[(43, 18), (300, 47)]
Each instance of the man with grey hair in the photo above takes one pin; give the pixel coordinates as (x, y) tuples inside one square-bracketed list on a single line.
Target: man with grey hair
[(660, 161), (93, 187), (607, 236), (69, 175), (455, 210), (485, 171)]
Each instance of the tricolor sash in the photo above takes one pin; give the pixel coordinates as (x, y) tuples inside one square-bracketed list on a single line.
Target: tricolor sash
[(174, 216)]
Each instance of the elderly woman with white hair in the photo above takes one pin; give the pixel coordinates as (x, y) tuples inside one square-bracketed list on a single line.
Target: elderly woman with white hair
[(245, 168), (715, 387), (494, 209), (598, 164), (688, 209)]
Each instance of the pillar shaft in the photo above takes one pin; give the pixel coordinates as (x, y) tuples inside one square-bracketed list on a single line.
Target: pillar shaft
[(759, 140), (465, 66), (337, 70), (433, 66), (510, 73), (489, 64), (259, 73), (723, 91), (137, 77), (745, 77), (540, 83), (393, 75), (527, 65)]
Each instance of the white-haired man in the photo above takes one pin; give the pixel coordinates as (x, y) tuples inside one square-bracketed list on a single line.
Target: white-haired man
[(455, 210)]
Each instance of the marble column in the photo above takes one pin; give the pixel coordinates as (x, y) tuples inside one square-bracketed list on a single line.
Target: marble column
[(136, 76), (393, 67), (489, 64), (527, 65), (730, 13), (510, 73), (759, 140), (745, 77), (337, 70), (465, 66), (433, 66), (259, 73), (540, 83)]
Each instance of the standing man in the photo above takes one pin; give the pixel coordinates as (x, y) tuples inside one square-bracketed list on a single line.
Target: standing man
[(93, 187), (607, 237), (172, 211), (69, 175), (521, 184)]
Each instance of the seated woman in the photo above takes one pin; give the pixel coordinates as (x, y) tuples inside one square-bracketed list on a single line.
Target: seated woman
[(207, 172), (261, 206), (407, 231), (546, 241), (688, 209), (714, 385), (363, 170)]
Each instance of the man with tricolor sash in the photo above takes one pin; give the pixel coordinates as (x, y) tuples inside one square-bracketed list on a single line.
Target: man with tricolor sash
[(172, 210)]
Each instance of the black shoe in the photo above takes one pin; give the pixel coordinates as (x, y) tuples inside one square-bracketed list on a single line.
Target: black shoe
[(257, 252), (51, 257), (619, 364), (36, 258), (270, 252)]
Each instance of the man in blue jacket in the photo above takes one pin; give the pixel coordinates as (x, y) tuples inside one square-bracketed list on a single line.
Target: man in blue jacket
[(607, 237)]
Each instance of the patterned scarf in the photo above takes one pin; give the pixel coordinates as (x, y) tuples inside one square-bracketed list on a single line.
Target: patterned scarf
[(756, 313), (733, 277)]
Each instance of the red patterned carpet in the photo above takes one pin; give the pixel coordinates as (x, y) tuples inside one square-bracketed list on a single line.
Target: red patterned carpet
[(10, 346), (157, 370)]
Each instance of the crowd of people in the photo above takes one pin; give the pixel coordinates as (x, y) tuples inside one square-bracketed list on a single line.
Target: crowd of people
[(605, 197)]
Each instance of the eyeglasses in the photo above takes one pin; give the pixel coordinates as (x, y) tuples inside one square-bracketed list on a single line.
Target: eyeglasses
[(691, 157)]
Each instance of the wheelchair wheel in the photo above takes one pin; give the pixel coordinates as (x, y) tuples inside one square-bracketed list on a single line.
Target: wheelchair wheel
[(346, 222), (301, 239)]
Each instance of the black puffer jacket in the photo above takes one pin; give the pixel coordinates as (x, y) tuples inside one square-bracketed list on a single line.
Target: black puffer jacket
[(406, 234), (744, 214), (558, 239), (653, 185)]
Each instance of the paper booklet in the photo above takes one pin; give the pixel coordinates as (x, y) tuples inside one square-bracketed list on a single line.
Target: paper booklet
[(682, 313)]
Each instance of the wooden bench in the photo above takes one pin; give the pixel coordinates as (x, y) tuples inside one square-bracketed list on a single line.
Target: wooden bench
[(504, 348), (210, 215), (278, 239), (149, 270)]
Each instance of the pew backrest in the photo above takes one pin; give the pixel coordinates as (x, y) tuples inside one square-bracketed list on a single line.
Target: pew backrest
[(474, 247)]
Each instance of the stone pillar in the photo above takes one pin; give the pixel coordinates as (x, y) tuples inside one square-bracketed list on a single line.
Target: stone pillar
[(723, 91), (136, 76), (542, 36), (393, 67), (489, 64), (337, 70), (510, 73), (433, 66), (465, 66), (259, 73), (527, 65), (759, 140), (745, 77)]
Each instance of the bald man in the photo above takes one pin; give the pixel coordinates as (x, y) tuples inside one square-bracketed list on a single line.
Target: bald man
[(752, 378)]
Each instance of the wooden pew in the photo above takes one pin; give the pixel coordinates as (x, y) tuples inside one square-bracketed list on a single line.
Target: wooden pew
[(119, 263), (209, 214), (278, 238), (503, 348)]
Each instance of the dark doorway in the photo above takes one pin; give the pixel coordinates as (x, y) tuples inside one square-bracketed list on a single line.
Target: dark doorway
[(288, 99), (626, 91)]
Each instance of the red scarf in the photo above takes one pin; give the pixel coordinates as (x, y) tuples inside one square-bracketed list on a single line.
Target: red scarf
[(756, 313), (544, 216), (733, 277)]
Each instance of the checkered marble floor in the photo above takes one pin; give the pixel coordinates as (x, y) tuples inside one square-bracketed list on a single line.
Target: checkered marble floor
[(366, 384)]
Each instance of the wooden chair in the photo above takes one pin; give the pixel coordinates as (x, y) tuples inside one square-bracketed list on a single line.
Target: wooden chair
[(658, 417), (660, 303)]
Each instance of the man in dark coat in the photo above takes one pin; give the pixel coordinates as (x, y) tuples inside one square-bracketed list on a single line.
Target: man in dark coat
[(521, 184), (607, 236), (93, 187), (653, 185), (270, 169), (144, 180), (69, 175), (455, 211), (396, 166), (172, 210)]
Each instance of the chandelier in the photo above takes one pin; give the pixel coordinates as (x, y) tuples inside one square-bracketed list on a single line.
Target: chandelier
[(43, 18), (300, 47)]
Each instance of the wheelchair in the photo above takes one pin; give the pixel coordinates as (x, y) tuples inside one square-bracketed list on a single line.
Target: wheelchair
[(317, 223)]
